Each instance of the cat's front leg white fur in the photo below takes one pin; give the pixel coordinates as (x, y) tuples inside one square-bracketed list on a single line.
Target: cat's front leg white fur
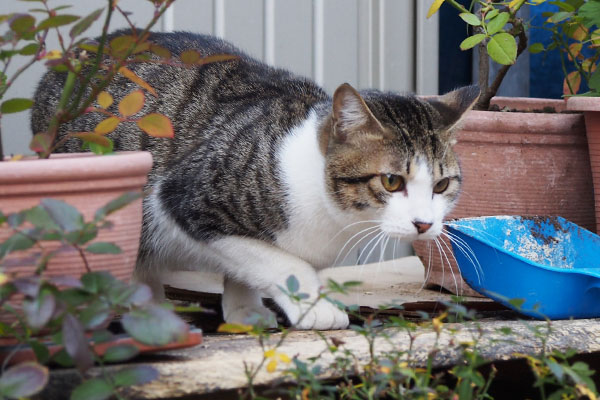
[(266, 268), (241, 304)]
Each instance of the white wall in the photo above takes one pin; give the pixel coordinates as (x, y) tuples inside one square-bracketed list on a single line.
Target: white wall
[(383, 44)]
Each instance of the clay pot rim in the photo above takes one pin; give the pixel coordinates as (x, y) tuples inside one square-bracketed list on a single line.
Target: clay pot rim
[(583, 103), (75, 166)]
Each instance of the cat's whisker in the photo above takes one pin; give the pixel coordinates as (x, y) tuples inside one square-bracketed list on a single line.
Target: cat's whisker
[(374, 229), (443, 242), (373, 221), (468, 252), (428, 267), (445, 256), (376, 239)]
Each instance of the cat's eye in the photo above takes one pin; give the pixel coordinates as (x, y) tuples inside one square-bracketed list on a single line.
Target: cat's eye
[(441, 186), (392, 183)]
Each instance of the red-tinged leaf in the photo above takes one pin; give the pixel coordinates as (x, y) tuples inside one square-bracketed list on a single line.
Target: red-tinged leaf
[(23, 380), (571, 83), (156, 125), (132, 103), (38, 311), (96, 138), (190, 57), (76, 344), (154, 325), (574, 50), (121, 44), (579, 33), (22, 23), (40, 143), (127, 73), (107, 126), (160, 51), (85, 23), (104, 99), (217, 58), (56, 21)]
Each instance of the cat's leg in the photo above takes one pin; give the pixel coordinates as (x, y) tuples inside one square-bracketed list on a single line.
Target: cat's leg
[(265, 267), (241, 303)]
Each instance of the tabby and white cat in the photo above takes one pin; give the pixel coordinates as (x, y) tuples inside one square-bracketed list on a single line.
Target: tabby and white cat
[(268, 176)]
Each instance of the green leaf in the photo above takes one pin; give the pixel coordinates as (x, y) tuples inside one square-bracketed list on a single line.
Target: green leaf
[(40, 143), (594, 82), (517, 303), (103, 248), (292, 284), (137, 375), (97, 282), (121, 352), (85, 23), (536, 48), (56, 21), (23, 380), (16, 242), (65, 215), (502, 48), (116, 204), (154, 325), (472, 41), (15, 105), (95, 315), (92, 389), (100, 149), (234, 328), (559, 17), (491, 14), (22, 24), (40, 350), (40, 218), (29, 50), (590, 12), (497, 23), (470, 19)]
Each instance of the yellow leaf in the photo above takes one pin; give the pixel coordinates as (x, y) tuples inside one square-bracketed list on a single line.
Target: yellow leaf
[(53, 55), (156, 125), (284, 358), (132, 103), (515, 4), (234, 328), (104, 100), (107, 126), (93, 138), (160, 51), (216, 58), (190, 57), (580, 33), (305, 393), (272, 365), (574, 50), (3, 278), (129, 74), (571, 83), (269, 353), (435, 6), (16, 157)]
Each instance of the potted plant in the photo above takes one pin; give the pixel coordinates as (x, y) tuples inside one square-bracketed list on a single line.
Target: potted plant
[(517, 163), (61, 215), (575, 35)]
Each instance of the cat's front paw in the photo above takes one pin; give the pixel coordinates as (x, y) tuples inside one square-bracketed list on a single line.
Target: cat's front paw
[(251, 315), (321, 316)]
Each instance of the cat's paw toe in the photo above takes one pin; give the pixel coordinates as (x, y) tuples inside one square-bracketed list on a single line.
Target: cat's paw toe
[(251, 316), (322, 316)]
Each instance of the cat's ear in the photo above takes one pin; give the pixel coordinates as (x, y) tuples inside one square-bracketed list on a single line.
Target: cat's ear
[(351, 113), (453, 105)]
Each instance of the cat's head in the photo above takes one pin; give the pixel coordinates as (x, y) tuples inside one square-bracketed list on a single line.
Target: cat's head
[(389, 158)]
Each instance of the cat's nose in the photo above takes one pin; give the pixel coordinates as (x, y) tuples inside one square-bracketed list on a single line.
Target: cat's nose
[(422, 227)]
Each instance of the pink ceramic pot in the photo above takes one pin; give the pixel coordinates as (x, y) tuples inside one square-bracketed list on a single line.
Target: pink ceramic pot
[(517, 164)]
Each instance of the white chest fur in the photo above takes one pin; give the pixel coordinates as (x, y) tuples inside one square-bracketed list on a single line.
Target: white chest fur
[(318, 231)]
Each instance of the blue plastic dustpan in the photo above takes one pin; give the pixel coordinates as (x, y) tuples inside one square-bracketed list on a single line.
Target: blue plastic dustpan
[(550, 263)]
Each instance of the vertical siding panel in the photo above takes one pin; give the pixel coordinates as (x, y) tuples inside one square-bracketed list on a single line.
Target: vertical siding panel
[(398, 45), (244, 25), (427, 46), (365, 43), (293, 36), (193, 15), (340, 47)]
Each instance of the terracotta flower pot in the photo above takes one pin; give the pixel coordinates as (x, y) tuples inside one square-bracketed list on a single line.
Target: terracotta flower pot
[(87, 182), (590, 106), (517, 163)]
